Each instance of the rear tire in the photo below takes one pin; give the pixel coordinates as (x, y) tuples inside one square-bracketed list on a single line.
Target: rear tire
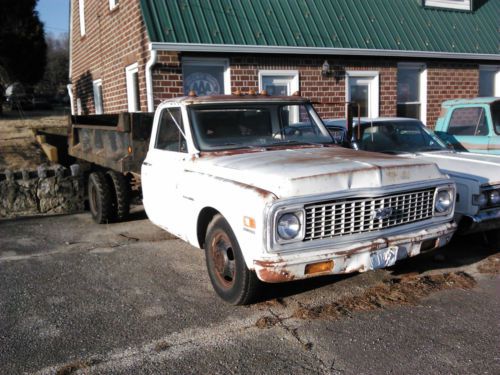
[(121, 196), (99, 194), (230, 277)]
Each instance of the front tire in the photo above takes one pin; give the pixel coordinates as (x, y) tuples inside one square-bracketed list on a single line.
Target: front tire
[(99, 194), (230, 277)]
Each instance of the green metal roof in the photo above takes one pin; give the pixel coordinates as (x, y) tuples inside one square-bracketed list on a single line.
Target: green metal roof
[(324, 26)]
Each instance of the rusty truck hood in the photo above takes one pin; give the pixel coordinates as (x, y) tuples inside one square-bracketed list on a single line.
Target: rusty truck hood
[(295, 172)]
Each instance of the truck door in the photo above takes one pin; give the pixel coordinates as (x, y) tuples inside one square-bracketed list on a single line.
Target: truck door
[(162, 171), (468, 129)]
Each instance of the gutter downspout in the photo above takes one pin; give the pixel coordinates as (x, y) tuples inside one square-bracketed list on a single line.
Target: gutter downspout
[(69, 86), (149, 79)]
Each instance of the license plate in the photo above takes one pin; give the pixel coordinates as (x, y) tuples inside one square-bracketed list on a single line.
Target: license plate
[(384, 257)]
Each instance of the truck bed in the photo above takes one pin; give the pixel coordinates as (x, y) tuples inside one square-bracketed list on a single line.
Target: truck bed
[(115, 141)]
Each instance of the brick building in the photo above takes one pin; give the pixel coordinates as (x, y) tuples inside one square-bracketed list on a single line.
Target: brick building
[(393, 57)]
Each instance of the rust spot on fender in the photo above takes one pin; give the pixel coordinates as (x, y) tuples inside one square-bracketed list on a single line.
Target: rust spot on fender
[(273, 271), (277, 275), (260, 192)]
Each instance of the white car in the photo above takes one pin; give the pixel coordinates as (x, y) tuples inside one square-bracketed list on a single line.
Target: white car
[(477, 175)]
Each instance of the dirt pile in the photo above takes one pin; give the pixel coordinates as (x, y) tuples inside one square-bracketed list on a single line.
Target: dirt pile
[(490, 265), (408, 290)]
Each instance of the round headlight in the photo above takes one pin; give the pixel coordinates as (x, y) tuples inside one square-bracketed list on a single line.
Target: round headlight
[(494, 197), (443, 201), (288, 226), (482, 200)]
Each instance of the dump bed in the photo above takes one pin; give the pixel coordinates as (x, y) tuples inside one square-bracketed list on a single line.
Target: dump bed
[(115, 141)]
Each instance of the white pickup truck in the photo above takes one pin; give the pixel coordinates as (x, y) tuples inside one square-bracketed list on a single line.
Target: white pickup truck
[(272, 201), (258, 183)]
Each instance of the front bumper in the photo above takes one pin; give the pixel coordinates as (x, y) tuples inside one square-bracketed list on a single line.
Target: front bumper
[(353, 257), (483, 221)]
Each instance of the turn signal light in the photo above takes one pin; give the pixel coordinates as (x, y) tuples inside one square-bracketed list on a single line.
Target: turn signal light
[(249, 222), (319, 267)]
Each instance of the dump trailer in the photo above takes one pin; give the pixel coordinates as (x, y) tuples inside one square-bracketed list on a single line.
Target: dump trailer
[(110, 149)]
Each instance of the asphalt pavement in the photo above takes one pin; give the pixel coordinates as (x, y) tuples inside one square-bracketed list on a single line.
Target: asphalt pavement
[(129, 298)]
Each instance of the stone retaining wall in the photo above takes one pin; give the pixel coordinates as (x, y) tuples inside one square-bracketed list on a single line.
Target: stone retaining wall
[(54, 190)]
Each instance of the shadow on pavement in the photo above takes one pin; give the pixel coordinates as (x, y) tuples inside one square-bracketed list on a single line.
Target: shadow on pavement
[(462, 251), (281, 290)]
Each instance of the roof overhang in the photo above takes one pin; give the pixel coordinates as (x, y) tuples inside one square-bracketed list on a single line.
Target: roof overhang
[(238, 48)]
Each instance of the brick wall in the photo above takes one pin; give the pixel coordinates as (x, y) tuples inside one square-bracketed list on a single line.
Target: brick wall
[(113, 40), (244, 76), (167, 77), (449, 81)]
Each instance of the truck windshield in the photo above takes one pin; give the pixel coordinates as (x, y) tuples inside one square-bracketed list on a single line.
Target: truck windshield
[(398, 137), (256, 125)]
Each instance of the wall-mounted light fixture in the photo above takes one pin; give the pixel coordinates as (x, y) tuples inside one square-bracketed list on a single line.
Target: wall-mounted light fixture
[(336, 71)]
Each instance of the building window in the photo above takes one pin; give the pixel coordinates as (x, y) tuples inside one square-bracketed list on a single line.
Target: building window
[(206, 76), (133, 96), (113, 4), (81, 10), (489, 80), (412, 91), (279, 82), (449, 4), (468, 121), (97, 88), (363, 88), (171, 136)]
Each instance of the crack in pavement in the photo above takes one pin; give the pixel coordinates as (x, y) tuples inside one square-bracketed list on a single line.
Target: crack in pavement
[(306, 345)]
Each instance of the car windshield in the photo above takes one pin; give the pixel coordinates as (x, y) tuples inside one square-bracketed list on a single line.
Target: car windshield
[(218, 127), (398, 137), (495, 114)]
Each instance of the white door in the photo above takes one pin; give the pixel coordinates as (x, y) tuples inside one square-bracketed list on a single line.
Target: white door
[(363, 90), (163, 172)]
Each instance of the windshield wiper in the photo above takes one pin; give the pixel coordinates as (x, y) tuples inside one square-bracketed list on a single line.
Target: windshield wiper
[(435, 149), (293, 142), (238, 145), (393, 152)]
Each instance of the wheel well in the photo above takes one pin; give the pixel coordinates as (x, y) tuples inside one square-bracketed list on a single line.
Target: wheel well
[(204, 218)]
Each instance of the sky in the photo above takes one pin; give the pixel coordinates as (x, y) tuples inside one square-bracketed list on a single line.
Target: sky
[(55, 15)]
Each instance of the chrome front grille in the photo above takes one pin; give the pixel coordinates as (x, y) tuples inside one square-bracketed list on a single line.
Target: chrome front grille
[(351, 216)]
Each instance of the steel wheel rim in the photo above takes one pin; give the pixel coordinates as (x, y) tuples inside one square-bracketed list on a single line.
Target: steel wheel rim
[(223, 259)]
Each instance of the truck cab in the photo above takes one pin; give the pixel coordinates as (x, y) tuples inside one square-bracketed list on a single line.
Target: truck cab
[(471, 125)]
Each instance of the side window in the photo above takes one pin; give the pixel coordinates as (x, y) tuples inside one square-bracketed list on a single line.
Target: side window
[(171, 136), (468, 121)]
